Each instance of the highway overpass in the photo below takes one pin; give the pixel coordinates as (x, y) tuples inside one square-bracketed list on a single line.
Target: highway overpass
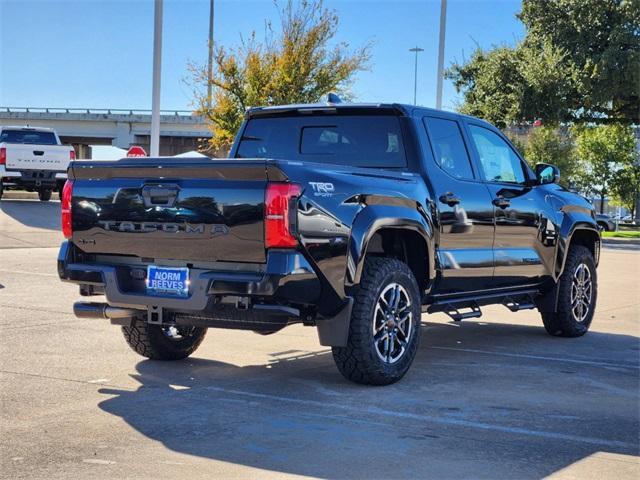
[(180, 131)]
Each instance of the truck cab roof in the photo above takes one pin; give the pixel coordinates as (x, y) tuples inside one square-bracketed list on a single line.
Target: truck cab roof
[(355, 108), (26, 128)]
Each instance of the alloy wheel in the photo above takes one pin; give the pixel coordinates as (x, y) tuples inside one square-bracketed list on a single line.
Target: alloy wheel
[(392, 323), (581, 292)]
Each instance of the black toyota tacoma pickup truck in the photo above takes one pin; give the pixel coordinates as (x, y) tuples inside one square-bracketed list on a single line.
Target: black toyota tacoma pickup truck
[(355, 219)]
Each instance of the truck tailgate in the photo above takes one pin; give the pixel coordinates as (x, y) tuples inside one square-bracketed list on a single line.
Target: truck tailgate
[(37, 157), (166, 208)]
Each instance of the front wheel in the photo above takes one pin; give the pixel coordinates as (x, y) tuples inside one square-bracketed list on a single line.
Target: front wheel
[(162, 342), (578, 291), (384, 333)]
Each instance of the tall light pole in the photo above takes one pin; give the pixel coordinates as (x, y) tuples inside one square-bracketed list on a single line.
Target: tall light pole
[(443, 25), (157, 67), (210, 65), (415, 49)]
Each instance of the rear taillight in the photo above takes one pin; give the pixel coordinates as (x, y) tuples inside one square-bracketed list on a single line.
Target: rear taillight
[(3, 156), (67, 194), (72, 155), (280, 215)]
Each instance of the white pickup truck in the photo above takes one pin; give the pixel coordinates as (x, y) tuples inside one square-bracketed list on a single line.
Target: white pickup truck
[(33, 159)]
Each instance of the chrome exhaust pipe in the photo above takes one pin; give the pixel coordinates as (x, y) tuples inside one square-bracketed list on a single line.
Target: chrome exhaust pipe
[(102, 310)]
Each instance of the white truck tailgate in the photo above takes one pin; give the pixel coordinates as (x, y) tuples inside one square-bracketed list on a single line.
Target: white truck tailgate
[(37, 157)]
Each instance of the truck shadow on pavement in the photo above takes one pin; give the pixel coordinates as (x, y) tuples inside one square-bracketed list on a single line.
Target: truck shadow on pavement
[(32, 213), (481, 400)]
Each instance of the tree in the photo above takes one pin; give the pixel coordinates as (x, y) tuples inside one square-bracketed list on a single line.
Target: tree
[(604, 153), (491, 84), (602, 38), (513, 85), (298, 65), (551, 145), (625, 187), (578, 62)]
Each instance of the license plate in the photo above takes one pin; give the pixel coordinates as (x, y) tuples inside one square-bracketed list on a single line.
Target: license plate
[(168, 281)]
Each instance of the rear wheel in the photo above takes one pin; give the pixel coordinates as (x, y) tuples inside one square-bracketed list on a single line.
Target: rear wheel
[(384, 332), (604, 226), (578, 291), (161, 342), (1, 189), (44, 195)]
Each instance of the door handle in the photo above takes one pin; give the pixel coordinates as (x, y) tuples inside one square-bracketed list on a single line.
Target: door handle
[(160, 195), (501, 202), (38, 153), (450, 199)]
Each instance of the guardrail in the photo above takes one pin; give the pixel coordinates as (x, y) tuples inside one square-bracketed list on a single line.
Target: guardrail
[(108, 111)]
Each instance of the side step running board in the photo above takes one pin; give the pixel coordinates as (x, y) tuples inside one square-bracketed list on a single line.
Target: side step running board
[(462, 308), (456, 315), (514, 305)]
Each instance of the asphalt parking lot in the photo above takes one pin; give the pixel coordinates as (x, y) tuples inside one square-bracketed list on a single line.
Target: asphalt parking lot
[(491, 398)]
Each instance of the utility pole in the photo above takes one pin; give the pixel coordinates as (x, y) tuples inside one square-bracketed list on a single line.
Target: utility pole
[(415, 49), (210, 66), (443, 25), (157, 67)]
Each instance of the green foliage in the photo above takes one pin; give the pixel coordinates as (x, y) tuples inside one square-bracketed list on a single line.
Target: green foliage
[(625, 187), (602, 38), (604, 153), (491, 83), (296, 65), (551, 145), (579, 61), (623, 234), (518, 141)]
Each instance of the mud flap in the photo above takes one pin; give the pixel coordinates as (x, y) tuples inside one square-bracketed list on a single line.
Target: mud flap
[(334, 331), (548, 302)]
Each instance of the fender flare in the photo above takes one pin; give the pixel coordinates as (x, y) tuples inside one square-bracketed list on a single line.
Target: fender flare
[(549, 301), (566, 238), (373, 218)]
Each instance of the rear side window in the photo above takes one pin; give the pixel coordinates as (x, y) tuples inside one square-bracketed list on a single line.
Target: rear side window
[(357, 140), (28, 137), (448, 147)]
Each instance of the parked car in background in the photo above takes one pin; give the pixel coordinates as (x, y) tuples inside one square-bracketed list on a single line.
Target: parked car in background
[(605, 222), (33, 159)]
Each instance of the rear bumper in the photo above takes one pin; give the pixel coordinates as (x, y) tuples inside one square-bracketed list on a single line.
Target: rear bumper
[(287, 278), (32, 178), (4, 173)]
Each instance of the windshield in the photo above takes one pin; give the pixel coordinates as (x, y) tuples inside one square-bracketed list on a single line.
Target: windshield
[(357, 140), (29, 137)]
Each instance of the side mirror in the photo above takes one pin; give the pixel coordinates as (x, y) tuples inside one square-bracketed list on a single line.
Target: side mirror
[(546, 173)]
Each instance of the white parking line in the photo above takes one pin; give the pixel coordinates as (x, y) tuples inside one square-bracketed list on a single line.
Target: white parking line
[(541, 357), (377, 411)]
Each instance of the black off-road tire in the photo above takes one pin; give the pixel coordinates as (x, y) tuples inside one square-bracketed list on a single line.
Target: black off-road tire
[(1, 189), (359, 360), (151, 341), (562, 323), (44, 195)]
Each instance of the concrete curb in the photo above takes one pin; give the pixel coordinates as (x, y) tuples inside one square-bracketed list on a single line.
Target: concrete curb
[(621, 241), (22, 195)]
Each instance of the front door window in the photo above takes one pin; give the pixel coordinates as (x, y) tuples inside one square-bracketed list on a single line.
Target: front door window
[(498, 161)]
